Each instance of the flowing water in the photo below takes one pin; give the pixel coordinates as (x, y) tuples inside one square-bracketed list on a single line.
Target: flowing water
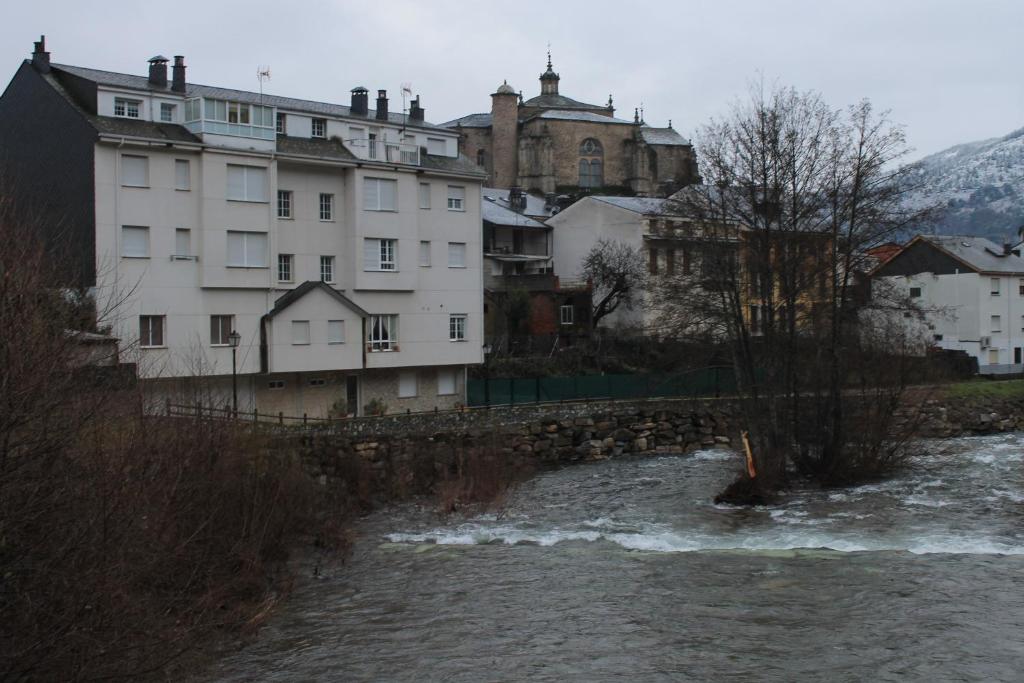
[(625, 570)]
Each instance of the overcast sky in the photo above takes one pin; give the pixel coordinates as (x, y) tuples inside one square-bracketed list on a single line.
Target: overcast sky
[(950, 71)]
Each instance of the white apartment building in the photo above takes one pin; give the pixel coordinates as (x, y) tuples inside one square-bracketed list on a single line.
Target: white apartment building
[(342, 244), (972, 292)]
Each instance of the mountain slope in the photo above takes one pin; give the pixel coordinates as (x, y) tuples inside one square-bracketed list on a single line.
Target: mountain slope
[(979, 184)]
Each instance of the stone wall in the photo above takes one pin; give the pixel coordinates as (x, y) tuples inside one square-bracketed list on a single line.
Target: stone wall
[(942, 417)]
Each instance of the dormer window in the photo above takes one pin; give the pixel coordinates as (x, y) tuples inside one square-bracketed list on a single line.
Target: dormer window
[(319, 128), (167, 112), (129, 109)]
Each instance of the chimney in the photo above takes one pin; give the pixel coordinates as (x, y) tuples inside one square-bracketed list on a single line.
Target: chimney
[(1007, 247), (415, 110), (382, 105), (360, 101), (40, 57), (516, 199), (158, 71), (178, 74)]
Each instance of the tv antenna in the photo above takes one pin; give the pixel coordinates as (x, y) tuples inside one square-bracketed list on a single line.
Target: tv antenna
[(262, 74), (406, 92)]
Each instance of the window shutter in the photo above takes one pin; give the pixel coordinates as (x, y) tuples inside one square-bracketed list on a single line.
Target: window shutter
[(300, 332), (388, 194), (424, 195), (370, 194), (445, 382), (182, 242), (236, 249), (456, 255), (335, 331), (134, 171), (256, 184), (236, 182), (436, 146), (182, 175), (134, 241), (371, 254), (255, 249), (407, 384), (424, 253)]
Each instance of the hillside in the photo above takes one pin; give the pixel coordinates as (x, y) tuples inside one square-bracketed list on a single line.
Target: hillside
[(979, 184)]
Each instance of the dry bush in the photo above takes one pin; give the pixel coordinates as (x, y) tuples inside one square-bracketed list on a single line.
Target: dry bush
[(481, 476), (125, 540)]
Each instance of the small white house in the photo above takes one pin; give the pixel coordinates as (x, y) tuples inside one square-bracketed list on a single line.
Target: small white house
[(972, 293)]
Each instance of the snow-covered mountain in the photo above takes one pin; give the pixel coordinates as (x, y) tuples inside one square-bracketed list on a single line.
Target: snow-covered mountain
[(980, 186)]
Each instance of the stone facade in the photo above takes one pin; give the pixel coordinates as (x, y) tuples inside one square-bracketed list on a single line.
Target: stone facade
[(537, 145)]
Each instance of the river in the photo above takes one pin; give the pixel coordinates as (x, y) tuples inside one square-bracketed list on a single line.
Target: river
[(625, 570)]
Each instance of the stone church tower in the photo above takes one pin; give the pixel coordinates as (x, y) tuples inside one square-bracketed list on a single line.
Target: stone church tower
[(555, 144)]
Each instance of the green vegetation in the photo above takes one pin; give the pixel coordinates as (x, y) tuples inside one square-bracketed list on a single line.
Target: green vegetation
[(983, 388)]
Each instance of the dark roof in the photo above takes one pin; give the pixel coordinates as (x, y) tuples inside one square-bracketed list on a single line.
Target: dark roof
[(662, 136), (588, 116), (644, 205), (171, 132), (459, 164), (308, 286), (131, 82), (559, 102), (470, 121), (977, 252), (495, 213), (314, 147), (535, 206)]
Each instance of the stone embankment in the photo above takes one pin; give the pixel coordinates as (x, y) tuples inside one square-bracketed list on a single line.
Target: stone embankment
[(400, 455)]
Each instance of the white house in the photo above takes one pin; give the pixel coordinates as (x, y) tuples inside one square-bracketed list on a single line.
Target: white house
[(342, 243), (972, 292)]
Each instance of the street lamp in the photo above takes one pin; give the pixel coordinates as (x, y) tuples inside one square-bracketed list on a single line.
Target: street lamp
[(234, 339)]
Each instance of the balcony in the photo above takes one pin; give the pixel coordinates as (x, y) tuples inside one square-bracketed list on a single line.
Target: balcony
[(385, 152)]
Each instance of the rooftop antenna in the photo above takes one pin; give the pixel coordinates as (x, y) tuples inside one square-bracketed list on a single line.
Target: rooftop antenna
[(262, 74), (406, 92)]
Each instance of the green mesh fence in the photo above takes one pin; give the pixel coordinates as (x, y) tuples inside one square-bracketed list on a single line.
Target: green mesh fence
[(502, 391)]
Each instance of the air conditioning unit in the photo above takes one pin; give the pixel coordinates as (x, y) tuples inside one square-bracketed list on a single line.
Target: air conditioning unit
[(986, 342)]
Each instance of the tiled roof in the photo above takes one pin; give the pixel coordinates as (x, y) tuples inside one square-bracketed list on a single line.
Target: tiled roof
[(459, 164), (294, 295), (558, 102), (470, 121), (500, 215), (978, 252), (535, 206), (131, 82), (662, 136), (564, 115), (644, 205), (311, 147)]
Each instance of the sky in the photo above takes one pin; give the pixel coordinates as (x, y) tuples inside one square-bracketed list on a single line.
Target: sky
[(948, 71)]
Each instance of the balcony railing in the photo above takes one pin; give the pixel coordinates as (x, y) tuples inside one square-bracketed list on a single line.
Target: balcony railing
[(383, 151)]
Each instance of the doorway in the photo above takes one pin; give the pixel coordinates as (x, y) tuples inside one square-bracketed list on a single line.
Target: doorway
[(352, 394)]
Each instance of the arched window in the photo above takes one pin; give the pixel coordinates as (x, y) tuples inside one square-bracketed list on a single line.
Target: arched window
[(591, 166), (481, 157)]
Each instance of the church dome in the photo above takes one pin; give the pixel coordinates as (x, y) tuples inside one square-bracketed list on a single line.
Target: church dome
[(505, 89)]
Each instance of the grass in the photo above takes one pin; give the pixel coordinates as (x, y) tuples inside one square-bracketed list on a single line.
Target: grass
[(984, 388)]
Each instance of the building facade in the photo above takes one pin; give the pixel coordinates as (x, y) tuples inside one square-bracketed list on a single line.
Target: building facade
[(555, 144), (340, 243), (971, 293)]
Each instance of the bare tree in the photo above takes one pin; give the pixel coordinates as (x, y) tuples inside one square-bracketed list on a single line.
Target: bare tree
[(616, 271), (796, 192)]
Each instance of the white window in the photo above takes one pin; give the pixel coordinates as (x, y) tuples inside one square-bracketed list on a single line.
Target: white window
[(446, 382), (407, 384), (997, 323), (425, 253), (134, 241), (327, 269), (182, 242), (247, 183), (382, 333), (436, 146), (380, 254), (300, 332), (284, 203), (182, 174), (335, 331), (379, 194), (457, 327), (281, 124), (326, 206), (456, 254), (284, 267), (424, 195), (993, 356), (134, 171), (221, 327), (566, 312), (151, 330), (127, 108), (167, 112), (995, 286), (247, 249), (319, 128), (456, 198)]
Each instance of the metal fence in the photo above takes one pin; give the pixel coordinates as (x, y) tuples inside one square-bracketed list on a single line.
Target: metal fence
[(712, 381)]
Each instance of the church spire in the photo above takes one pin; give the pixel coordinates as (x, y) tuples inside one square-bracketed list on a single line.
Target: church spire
[(549, 79)]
